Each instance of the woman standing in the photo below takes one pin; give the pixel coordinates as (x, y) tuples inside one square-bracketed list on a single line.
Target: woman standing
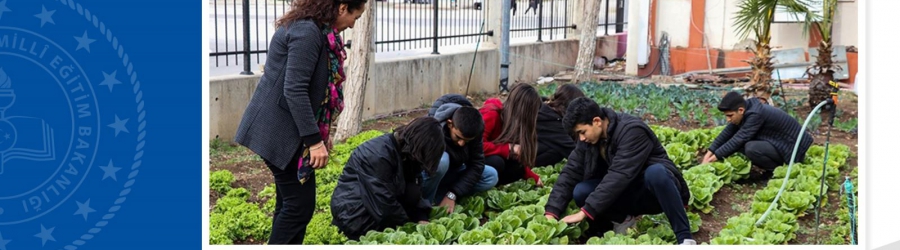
[(510, 138), (298, 96)]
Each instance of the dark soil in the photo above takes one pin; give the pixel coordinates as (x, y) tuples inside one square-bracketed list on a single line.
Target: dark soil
[(731, 200)]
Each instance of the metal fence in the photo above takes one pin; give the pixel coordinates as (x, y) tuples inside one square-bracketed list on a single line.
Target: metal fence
[(243, 28), (541, 19), (418, 24), (620, 17)]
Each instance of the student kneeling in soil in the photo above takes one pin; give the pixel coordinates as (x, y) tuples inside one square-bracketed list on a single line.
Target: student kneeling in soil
[(510, 137), (618, 170), (381, 183), (554, 144), (461, 171), (764, 134)]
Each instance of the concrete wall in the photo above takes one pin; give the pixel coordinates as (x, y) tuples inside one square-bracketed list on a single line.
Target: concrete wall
[(229, 96), (409, 80)]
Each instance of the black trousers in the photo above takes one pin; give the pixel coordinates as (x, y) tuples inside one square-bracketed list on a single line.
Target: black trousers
[(655, 192), (508, 171), (294, 204), (763, 155)]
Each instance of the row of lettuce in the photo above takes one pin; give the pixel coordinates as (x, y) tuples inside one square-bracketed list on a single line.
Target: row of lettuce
[(513, 214)]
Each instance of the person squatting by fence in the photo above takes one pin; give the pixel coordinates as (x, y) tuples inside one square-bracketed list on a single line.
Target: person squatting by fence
[(510, 136), (619, 170), (462, 171)]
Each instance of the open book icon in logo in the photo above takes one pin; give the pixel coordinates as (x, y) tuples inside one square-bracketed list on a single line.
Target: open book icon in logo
[(25, 138)]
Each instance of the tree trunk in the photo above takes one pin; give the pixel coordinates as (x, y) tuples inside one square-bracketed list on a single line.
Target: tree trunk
[(360, 58), (761, 77), (584, 65), (822, 73)]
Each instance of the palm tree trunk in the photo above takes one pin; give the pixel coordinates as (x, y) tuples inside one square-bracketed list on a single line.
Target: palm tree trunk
[(822, 74), (761, 77)]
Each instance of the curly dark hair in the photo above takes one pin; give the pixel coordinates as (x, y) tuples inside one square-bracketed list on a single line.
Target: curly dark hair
[(320, 11), (581, 111)]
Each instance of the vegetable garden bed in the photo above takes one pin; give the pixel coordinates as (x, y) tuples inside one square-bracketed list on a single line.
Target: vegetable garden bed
[(722, 211)]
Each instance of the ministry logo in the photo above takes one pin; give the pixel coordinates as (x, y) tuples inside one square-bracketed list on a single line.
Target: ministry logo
[(71, 125)]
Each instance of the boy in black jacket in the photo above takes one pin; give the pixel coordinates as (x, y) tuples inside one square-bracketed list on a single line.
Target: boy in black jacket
[(618, 170), (764, 134), (461, 171)]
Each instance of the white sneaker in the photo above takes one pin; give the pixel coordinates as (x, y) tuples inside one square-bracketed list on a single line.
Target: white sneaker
[(622, 228), (689, 242)]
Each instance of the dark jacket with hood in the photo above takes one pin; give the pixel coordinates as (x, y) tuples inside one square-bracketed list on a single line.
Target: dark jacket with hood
[(551, 134), (472, 154), (378, 189), (766, 123), (631, 147)]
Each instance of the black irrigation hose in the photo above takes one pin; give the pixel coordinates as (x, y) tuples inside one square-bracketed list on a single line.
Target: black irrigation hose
[(663, 48), (481, 30), (832, 102)]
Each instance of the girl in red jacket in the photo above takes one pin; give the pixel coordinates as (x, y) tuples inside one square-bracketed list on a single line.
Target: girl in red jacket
[(510, 137)]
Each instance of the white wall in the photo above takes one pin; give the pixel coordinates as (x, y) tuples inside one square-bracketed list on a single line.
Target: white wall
[(789, 36), (721, 33), (845, 31), (718, 23), (674, 18)]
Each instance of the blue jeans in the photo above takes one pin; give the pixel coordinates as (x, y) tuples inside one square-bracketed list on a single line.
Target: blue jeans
[(654, 193), (443, 180)]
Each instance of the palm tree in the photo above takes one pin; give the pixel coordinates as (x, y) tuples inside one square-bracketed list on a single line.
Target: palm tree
[(822, 72), (755, 18)]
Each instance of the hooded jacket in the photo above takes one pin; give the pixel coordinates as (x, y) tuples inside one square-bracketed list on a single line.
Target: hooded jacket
[(472, 154)]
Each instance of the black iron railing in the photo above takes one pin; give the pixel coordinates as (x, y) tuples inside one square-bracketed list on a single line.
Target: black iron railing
[(249, 38), (420, 24), (620, 17), (243, 28), (541, 19)]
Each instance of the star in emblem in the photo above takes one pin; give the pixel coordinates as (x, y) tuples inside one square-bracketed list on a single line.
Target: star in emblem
[(3, 8), (85, 208), (3, 242), (45, 16), (109, 171), (45, 235), (110, 79), (84, 42), (119, 125)]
